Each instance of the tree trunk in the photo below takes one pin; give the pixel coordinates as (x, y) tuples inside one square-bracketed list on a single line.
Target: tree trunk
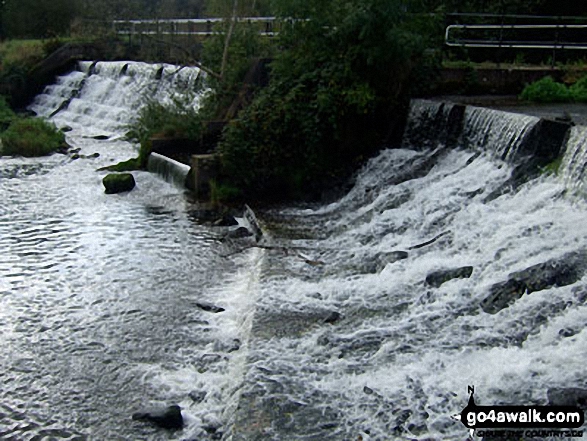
[(228, 37)]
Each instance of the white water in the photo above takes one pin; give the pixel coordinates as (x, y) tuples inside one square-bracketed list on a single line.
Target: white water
[(398, 363), (573, 166), (107, 96), (395, 366), (169, 169), (99, 293)]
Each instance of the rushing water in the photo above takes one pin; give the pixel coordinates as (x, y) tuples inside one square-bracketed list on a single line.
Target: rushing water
[(350, 341), (99, 293), (329, 332)]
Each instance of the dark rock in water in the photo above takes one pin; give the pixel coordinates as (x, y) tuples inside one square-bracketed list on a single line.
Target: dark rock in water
[(94, 155), (437, 278), (567, 332), (555, 272), (226, 221), (333, 317), (571, 396), (197, 396), (239, 233), (208, 307), (375, 264), (66, 129), (101, 137), (211, 429), (166, 417), (75, 156), (118, 182)]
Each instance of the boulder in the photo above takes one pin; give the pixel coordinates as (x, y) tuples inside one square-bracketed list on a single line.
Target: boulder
[(208, 307), (437, 278), (563, 271), (226, 221), (239, 233), (118, 182), (165, 417)]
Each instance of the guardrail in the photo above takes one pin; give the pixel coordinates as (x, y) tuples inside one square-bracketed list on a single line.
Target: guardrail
[(188, 26), (501, 41)]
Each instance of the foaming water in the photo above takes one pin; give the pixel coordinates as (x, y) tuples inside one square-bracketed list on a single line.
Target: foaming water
[(103, 98), (101, 295), (373, 351), (98, 303), (573, 165)]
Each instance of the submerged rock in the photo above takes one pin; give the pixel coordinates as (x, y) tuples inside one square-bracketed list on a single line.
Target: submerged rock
[(208, 307), (437, 278), (377, 263), (563, 271), (165, 417), (118, 182)]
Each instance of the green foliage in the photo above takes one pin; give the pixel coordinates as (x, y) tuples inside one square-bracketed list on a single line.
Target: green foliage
[(6, 114), (36, 18), (579, 90), (176, 120), (31, 137), (546, 90), (245, 46), (223, 193), (553, 167), (342, 71)]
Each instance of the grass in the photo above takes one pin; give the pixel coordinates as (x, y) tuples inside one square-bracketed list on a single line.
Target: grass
[(21, 52), (31, 137)]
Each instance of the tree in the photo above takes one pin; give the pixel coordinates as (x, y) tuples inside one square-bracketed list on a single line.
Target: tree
[(37, 18), (340, 77)]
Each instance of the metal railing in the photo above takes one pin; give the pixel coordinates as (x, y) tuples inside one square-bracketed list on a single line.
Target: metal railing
[(516, 31), (501, 42), (188, 26)]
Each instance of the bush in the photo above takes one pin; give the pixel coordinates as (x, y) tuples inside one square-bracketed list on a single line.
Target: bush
[(579, 90), (32, 137), (6, 114), (341, 76), (176, 120), (547, 90)]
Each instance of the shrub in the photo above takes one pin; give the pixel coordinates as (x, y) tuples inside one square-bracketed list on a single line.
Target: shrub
[(546, 90), (579, 90), (6, 114), (341, 75), (32, 137), (174, 120)]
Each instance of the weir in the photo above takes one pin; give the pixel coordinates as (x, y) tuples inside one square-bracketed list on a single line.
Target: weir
[(169, 169), (387, 304), (454, 260)]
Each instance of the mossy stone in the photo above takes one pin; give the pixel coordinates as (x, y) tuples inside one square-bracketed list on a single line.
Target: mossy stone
[(118, 182)]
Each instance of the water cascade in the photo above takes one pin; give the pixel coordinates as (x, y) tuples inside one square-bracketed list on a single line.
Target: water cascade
[(172, 171), (575, 160), (110, 304), (103, 98), (366, 318), (378, 311)]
